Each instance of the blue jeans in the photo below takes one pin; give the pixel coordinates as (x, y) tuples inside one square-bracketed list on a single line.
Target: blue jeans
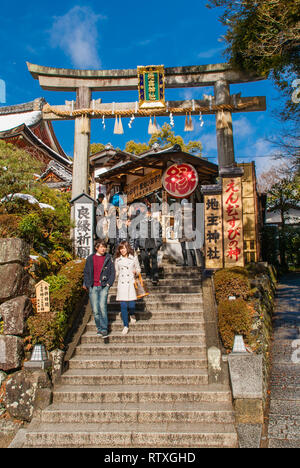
[(124, 311), (98, 298)]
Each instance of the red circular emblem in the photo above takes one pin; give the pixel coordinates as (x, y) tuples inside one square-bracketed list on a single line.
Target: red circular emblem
[(180, 180)]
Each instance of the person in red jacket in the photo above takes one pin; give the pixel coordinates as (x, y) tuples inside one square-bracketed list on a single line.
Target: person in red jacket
[(99, 276)]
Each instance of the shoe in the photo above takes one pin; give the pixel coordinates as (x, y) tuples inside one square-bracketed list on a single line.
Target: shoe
[(104, 334), (155, 282), (125, 331), (132, 319)]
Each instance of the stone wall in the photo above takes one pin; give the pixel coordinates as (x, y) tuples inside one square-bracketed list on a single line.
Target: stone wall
[(22, 391), (15, 305)]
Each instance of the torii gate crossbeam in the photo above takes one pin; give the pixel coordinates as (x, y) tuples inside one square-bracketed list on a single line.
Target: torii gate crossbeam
[(84, 82)]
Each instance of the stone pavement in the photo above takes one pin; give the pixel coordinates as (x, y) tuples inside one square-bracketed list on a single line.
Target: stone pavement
[(284, 416)]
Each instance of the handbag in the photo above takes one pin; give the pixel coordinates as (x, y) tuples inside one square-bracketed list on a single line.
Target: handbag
[(139, 287)]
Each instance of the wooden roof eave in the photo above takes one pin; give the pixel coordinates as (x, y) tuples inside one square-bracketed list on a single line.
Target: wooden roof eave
[(206, 168), (23, 130)]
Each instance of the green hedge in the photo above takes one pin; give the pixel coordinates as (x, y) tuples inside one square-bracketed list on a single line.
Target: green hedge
[(66, 294)]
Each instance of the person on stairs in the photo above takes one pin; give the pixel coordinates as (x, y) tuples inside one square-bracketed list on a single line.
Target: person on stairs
[(99, 276), (149, 243), (127, 267)]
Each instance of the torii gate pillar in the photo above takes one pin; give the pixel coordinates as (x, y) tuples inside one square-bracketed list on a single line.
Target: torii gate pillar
[(226, 157), (81, 145)]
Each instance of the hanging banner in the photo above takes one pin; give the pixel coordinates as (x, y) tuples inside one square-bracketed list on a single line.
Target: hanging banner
[(180, 180), (233, 222), (213, 231), (151, 82)]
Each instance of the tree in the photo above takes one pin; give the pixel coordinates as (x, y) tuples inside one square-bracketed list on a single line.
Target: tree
[(165, 138), (264, 37), (283, 193), (96, 148), (136, 148), (17, 169)]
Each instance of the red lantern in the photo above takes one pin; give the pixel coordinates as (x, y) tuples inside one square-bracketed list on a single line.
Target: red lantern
[(180, 180)]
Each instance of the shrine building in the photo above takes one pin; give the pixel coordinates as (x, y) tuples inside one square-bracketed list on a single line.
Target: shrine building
[(141, 179), (23, 125)]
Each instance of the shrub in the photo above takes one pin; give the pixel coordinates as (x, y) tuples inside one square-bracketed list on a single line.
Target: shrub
[(235, 318), (31, 228), (66, 293), (9, 225), (56, 282), (44, 329), (231, 282)]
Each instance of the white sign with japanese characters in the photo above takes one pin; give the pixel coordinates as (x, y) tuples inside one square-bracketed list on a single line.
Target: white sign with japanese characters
[(83, 229)]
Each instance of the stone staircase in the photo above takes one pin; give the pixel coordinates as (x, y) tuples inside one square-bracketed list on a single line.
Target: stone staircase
[(146, 389)]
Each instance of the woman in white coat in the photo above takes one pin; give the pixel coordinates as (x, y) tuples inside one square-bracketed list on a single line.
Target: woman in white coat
[(127, 267)]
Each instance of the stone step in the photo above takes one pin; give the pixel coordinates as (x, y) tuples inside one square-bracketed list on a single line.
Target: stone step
[(164, 299), (170, 313), (137, 362), (139, 413), (176, 316), (151, 326), (153, 307), (134, 377), (128, 435), (164, 290), (172, 282), (151, 337), (176, 273), (163, 349), (161, 300), (148, 388), (174, 268), (144, 393)]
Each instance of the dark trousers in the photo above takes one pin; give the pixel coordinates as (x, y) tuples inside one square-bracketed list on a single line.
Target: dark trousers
[(184, 254), (149, 259)]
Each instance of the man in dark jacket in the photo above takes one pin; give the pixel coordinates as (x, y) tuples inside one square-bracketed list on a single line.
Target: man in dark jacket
[(99, 276), (149, 242)]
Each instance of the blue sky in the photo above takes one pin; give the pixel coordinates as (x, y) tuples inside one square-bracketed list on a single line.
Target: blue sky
[(115, 35)]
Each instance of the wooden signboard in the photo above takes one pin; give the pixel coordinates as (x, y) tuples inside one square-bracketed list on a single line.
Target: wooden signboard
[(42, 297), (213, 231), (250, 219), (143, 186), (233, 222)]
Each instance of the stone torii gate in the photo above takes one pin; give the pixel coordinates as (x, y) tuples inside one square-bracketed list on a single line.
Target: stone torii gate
[(84, 82)]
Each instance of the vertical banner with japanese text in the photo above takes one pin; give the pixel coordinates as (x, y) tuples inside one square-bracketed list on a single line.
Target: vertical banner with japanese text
[(233, 222), (83, 229), (213, 231)]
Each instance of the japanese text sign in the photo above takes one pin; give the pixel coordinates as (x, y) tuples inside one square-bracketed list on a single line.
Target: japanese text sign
[(151, 82), (143, 187), (83, 229), (213, 231), (233, 222), (42, 297)]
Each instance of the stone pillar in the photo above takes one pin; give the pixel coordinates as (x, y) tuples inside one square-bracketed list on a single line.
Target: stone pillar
[(81, 146), (224, 126)]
